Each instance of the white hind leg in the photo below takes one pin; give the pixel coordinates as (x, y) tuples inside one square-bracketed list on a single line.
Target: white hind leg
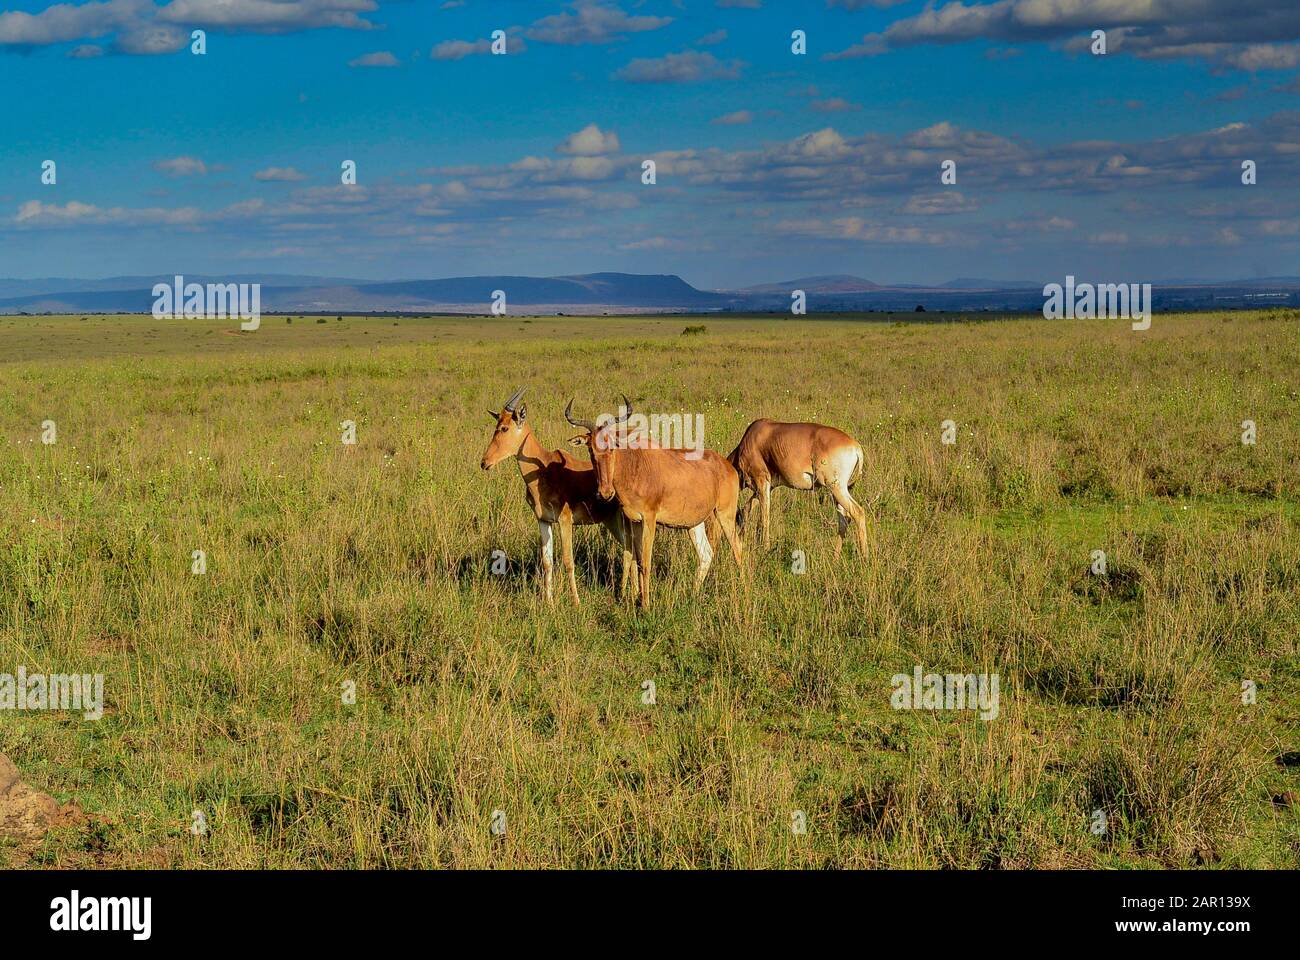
[(835, 473), (547, 552), (849, 511), (700, 537)]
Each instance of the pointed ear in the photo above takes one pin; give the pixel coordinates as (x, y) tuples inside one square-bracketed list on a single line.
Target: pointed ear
[(579, 441), (522, 413), (494, 416)]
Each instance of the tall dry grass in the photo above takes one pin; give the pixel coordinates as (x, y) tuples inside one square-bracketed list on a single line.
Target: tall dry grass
[(369, 564)]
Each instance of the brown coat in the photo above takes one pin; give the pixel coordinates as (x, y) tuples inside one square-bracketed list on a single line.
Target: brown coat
[(803, 456)]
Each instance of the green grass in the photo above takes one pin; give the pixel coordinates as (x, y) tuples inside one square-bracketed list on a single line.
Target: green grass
[(370, 564)]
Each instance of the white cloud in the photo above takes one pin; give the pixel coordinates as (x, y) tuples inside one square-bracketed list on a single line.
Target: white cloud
[(1261, 35), (182, 167), (858, 229), (590, 141), (64, 22), (833, 105), (151, 39), (691, 66), (734, 119), (591, 22), (944, 202), (1041, 225), (460, 49), (269, 16), (145, 27), (380, 58), (826, 185), (280, 175), (661, 243), (36, 213)]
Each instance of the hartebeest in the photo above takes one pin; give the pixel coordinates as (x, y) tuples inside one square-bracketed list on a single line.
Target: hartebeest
[(802, 456), (682, 489), (560, 489)]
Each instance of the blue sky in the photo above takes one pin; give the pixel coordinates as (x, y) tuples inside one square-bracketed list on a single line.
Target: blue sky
[(770, 165)]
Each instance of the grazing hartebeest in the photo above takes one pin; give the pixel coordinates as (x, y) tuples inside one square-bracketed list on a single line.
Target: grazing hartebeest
[(802, 456), (654, 486), (559, 488)]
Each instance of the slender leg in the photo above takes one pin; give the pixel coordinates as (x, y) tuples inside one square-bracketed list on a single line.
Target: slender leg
[(621, 530), (745, 522), (618, 527), (842, 519), (766, 491), (566, 536), (702, 546), (850, 511), (631, 568), (547, 555), (727, 520), (644, 531)]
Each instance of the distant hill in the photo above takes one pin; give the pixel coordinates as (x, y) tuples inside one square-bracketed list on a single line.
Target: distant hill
[(595, 293), (308, 294), (615, 289), (975, 283), (17, 289), (832, 283)]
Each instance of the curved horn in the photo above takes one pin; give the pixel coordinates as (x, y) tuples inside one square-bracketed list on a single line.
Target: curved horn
[(627, 410), (514, 399), (585, 424)]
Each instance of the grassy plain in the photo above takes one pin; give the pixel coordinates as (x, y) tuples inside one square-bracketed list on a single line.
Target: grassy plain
[(329, 563)]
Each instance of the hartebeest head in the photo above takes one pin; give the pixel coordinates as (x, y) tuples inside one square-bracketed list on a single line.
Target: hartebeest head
[(510, 431), (602, 442)]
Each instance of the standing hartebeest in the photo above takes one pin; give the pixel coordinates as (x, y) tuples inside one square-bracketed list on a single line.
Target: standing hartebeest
[(559, 488), (653, 486), (802, 456)]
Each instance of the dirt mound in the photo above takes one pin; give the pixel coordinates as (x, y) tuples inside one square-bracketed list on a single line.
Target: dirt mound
[(26, 815)]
